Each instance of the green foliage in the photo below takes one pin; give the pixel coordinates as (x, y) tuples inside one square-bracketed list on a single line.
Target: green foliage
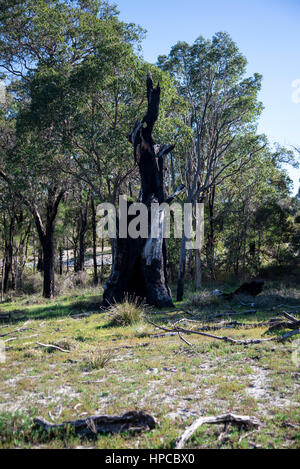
[(76, 85)]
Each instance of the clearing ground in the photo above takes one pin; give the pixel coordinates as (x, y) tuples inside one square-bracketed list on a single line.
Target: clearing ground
[(112, 369)]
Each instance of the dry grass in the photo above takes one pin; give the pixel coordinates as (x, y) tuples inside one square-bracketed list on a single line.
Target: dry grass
[(126, 314), (203, 299), (173, 382), (98, 360)]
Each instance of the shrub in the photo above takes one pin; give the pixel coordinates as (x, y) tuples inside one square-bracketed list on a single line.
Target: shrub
[(99, 359), (126, 314)]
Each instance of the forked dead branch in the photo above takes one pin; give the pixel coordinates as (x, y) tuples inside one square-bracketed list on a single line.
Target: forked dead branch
[(240, 421), (293, 324)]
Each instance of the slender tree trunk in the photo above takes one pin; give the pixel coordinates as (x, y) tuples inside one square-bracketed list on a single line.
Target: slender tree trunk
[(7, 270), (102, 262), (9, 252), (83, 221), (94, 227), (40, 263), (46, 236), (14, 273), (48, 255), (75, 257), (211, 236), (2, 279), (198, 270), (181, 270), (34, 257), (68, 259), (60, 260)]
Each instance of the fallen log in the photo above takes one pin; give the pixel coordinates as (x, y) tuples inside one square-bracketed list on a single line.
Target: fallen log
[(241, 421), (132, 421), (292, 323), (216, 337), (288, 335), (290, 317)]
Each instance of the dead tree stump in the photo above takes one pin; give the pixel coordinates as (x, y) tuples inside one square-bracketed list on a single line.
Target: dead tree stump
[(140, 265)]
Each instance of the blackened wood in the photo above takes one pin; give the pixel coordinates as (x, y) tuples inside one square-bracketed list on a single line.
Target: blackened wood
[(140, 265), (132, 421)]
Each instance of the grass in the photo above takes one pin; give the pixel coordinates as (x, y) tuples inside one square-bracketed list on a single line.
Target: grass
[(98, 360), (166, 378), (126, 314)]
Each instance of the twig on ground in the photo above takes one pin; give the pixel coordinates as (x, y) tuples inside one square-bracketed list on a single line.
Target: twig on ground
[(21, 329), (53, 347), (23, 338), (242, 421), (245, 436)]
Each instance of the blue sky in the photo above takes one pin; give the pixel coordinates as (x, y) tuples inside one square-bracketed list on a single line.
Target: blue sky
[(266, 31)]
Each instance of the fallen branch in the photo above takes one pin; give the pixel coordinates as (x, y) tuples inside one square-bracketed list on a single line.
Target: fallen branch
[(53, 347), (290, 317), (132, 421), (21, 329), (288, 335), (241, 421), (19, 338), (293, 323), (225, 339)]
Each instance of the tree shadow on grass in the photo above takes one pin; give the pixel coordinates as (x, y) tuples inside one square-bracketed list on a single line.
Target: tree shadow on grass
[(91, 305)]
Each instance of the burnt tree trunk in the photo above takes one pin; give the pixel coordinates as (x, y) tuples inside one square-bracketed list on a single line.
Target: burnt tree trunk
[(83, 225), (94, 229), (9, 252), (60, 260), (139, 268)]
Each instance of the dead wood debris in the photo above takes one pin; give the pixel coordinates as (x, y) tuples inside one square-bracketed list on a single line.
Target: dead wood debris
[(292, 324), (132, 421), (180, 331), (20, 329), (241, 421), (55, 347), (23, 338)]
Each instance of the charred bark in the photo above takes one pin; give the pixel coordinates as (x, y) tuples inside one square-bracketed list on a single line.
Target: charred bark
[(140, 265), (94, 229), (8, 266)]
